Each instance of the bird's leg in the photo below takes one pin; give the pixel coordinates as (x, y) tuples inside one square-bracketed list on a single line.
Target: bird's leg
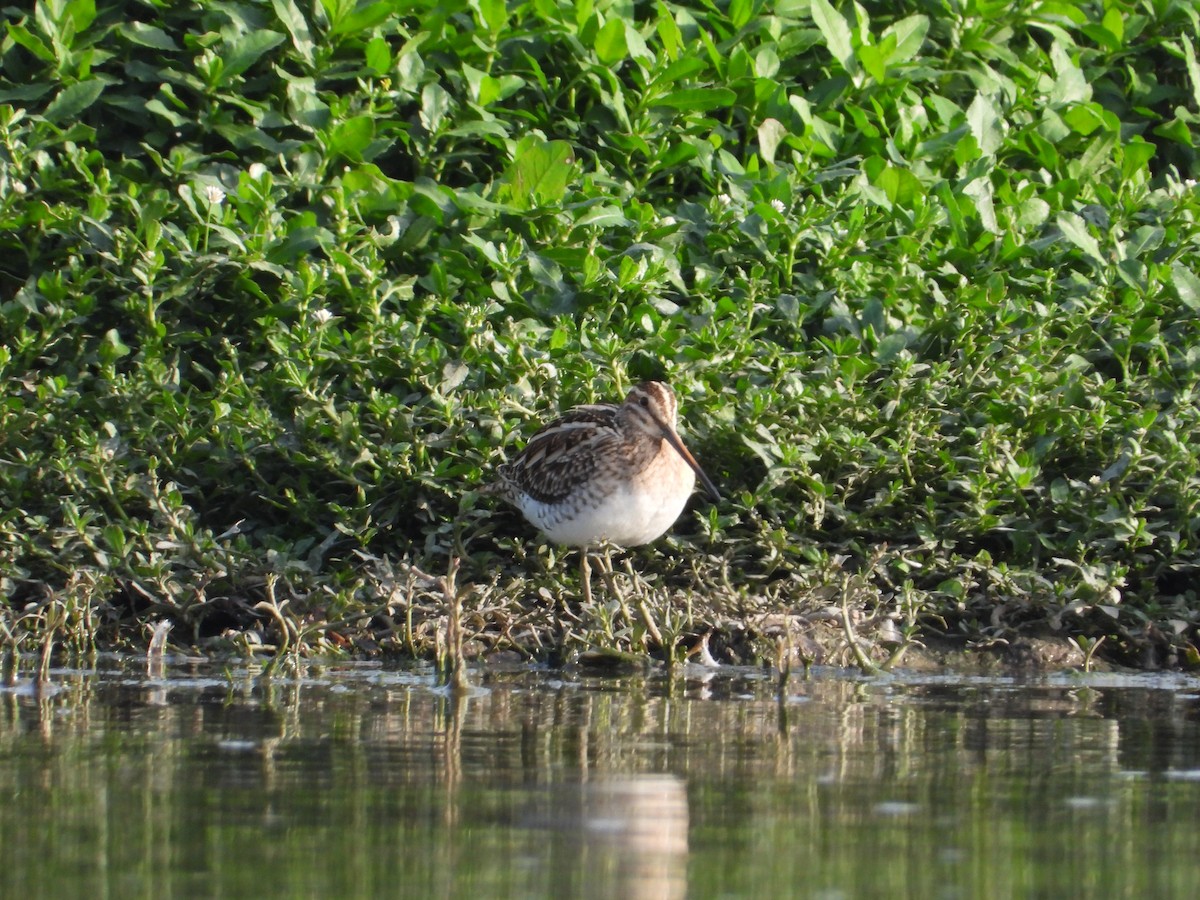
[(610, 581), (585, 574), (607, 568)]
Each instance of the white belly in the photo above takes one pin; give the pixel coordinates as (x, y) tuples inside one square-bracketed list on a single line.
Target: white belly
[(632, 513)]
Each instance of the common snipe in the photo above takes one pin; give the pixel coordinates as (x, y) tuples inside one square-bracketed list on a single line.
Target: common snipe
[(605, 474)]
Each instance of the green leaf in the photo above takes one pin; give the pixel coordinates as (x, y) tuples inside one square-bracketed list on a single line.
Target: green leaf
[(1145, 239), (698, 99), (668, 32), (681, 68), (73, 100), (487, 90), (1084, 118), (1075, 230), (379, 56), (26, 92), (351, 137), (297, 26), (365, 17), (148, 36), (910, 38), (243, 52), (980, 191), (836, 32), (81, 13), (156, 106), (770, 133), (1114, 24), (31, 42), (740, 12), (676, 154), (1135, 155), (900, 185), (604, 217), (539, 173), (766, 62), (494, 14), (873, 61), (891, 347), (1032, 213), (1193, 69), (611, 46), (1176, 130), (305, 107), (435, 103), (984, 122), (1071, 85), (114, 348), (1186, 285)]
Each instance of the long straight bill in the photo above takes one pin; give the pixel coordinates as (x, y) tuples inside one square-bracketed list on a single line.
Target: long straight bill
[(683, 451)]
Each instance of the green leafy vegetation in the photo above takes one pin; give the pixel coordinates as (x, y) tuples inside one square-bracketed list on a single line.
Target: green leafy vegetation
[(281, 282)]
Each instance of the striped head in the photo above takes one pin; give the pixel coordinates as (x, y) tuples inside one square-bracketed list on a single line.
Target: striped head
[(651, 408)]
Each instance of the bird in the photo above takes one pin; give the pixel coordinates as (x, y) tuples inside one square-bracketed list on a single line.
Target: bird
[(605, 474)]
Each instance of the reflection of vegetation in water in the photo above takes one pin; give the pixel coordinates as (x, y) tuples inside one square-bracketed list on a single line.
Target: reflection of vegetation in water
[(281, 282), (346, 785)]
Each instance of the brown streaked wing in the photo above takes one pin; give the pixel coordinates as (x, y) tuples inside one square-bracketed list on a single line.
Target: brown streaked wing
[(565, 453)]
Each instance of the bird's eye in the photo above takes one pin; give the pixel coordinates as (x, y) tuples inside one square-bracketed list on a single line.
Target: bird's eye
[(645, 401)]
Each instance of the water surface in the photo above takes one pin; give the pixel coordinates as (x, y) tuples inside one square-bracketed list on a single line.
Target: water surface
[(359, 781)]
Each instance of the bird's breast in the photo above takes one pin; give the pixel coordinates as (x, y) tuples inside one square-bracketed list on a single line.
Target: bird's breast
[(626, 508)]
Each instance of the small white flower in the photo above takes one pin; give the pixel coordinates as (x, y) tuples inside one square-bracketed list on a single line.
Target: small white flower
[(778, 206), (724, 199), (214, 194), (257, 170), (1094, 480), (322, 316), (18, 187)]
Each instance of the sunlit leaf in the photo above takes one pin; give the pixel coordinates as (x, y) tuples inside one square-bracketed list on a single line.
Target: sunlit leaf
[(1187, 285), (31, 42), (297, 26), (909, 34), (984, 121), (364, 17), (770, 133), (836, 33), (604, 217), (379, 56), (145, 35), (1070, 85), (1075, 230), (540, 172), (610, 42), (435, 103), (980, 191), (668, 31)]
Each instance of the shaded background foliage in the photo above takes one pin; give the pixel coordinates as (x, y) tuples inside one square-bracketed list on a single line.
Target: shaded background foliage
[(277, 278)]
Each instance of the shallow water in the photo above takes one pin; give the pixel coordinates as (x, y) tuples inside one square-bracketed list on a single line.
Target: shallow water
[(357, 781)]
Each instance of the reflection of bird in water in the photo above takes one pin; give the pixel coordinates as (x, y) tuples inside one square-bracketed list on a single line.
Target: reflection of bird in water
[(623, 837)]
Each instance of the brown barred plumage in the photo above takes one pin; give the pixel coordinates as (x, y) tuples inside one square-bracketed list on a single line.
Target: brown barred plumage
[(604, 473)]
